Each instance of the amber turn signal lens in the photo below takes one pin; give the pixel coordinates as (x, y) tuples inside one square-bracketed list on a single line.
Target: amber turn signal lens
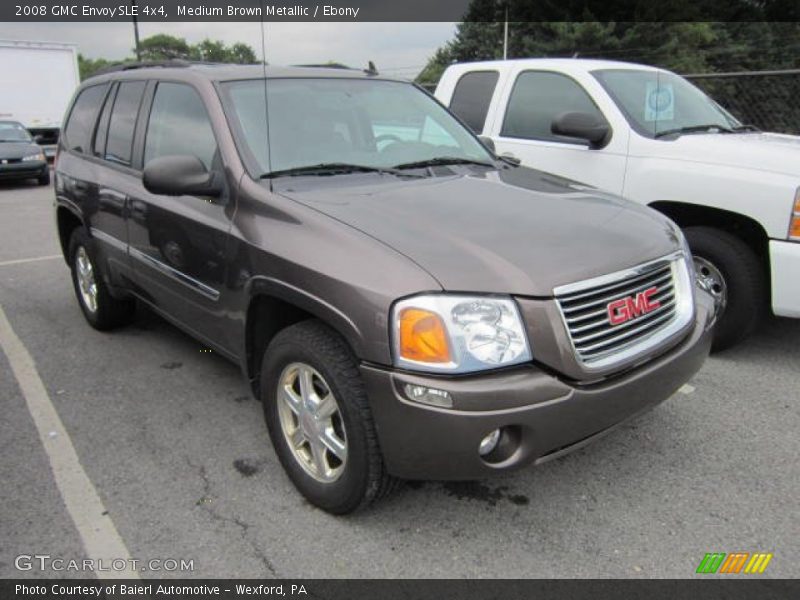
[(423, 337), (794, 228)]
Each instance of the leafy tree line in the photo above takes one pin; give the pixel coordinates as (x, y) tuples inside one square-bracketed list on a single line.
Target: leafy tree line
[(684, 47), (165, 47)]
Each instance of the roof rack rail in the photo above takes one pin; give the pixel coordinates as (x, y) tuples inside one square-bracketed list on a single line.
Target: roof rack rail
[(173, 63)]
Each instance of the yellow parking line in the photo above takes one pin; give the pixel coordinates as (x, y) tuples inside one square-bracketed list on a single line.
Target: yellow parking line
[(98, 533)]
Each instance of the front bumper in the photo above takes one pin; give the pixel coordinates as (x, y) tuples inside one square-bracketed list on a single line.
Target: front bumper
[(784, 258), (23, 170), (546, 416)]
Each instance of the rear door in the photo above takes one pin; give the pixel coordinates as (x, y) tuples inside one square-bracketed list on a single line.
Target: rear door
[(116, 175), (178, 244), (532, 101)]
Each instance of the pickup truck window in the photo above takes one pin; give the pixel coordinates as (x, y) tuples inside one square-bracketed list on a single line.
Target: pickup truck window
[(80, 125), (472, 96), (538, 97), (179, 124), (367, 122), (119, 144), (654, 102)]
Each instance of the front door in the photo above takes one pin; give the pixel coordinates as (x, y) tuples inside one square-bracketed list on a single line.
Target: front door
[(536, 99), (178, 244)]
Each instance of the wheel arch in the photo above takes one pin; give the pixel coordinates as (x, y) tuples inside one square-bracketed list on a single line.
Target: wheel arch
[(67, 220), (686, 214), (275, 305)]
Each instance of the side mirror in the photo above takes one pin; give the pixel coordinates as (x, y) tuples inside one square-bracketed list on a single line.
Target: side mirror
[(582, 126), (38, 139), (179, 176), (488, 142)]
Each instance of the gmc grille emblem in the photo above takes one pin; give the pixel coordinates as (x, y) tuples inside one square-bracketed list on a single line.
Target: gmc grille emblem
[(623, 310)]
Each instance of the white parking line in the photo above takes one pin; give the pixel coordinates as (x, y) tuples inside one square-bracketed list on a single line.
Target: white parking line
[(98, 533), (22, 261)]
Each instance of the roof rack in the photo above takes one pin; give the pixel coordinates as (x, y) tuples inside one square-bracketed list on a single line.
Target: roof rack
[(174, 63)]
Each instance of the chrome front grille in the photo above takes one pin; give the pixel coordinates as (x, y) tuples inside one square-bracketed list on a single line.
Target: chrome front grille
[(615, 318)]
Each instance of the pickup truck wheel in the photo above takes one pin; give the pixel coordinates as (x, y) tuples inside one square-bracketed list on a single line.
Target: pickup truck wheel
[(101, 309), (319, 420), (730, 271)]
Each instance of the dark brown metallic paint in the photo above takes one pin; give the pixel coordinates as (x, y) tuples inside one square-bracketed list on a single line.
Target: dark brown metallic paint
[(344, 249)]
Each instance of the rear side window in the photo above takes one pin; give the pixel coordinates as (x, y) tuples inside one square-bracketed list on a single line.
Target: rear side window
[(78, 132), (179, 124), (119, 144), (537, 99), (472, 97)]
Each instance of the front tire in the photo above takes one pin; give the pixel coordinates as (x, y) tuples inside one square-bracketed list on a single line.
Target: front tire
[(319, 419), (44, 178), (101, 309), (728, 269)]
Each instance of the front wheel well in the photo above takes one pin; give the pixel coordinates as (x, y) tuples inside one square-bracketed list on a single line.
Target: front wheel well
[(743, 227), (266, 317)]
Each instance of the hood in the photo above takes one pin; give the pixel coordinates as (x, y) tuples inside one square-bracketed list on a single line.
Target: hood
[(772, 152), (18, 149), (515, 231)]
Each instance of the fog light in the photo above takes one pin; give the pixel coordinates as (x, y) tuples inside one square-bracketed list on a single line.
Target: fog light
[(489, 443), (426, 395)]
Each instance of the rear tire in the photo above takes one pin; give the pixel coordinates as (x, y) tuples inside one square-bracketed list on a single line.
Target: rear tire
[(743, 276), (101, 309), (337, 486)]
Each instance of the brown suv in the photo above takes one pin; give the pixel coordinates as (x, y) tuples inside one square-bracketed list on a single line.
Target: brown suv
[(404, 303)]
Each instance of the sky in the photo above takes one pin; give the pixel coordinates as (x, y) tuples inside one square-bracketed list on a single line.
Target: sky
[(399, 49)]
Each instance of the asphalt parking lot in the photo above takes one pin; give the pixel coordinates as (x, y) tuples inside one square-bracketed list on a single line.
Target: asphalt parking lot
[(176, 449)]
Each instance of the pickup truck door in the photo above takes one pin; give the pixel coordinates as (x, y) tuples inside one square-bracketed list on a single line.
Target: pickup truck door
[(178, 245), (529, 102)]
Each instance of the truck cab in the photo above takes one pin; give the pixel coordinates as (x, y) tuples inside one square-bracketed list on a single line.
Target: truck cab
[(654, 138)]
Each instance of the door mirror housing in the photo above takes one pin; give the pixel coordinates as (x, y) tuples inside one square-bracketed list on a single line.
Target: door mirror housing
[(182, 175), (488, 142), (583, 126), (38, 139)]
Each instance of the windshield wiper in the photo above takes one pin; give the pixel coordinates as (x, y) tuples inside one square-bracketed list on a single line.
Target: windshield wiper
[(331, 168), (746, 127), (694, 129), (442, 160)]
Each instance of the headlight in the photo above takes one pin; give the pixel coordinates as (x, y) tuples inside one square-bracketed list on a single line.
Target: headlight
[(458, 334), (39, 156)]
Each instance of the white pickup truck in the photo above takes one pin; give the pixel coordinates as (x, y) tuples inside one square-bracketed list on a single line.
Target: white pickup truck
[(651, 136)]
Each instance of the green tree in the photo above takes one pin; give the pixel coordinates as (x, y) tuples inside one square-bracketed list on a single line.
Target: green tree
[(164, 47), (89, 66)]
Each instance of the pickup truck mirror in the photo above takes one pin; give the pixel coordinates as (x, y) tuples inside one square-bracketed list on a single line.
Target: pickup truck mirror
[(583, 126), (488, 142), (38, 139), (180, 175)]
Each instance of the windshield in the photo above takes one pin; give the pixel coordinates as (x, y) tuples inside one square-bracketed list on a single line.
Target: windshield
[(11, 131), (655, 102), (370, 123)]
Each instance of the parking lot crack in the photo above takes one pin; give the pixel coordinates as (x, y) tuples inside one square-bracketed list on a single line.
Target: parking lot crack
[(205, 502)]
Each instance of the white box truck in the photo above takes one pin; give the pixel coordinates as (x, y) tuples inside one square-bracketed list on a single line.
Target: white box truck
[(37, 80)]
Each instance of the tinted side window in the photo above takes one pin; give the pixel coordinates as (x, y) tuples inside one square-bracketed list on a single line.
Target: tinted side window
[(179, 124), (537, 99), (123, 122), (472, 96), (101, 134), (78, 132)]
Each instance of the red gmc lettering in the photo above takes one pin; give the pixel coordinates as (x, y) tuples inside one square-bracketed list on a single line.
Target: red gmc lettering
[(625, 309)]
